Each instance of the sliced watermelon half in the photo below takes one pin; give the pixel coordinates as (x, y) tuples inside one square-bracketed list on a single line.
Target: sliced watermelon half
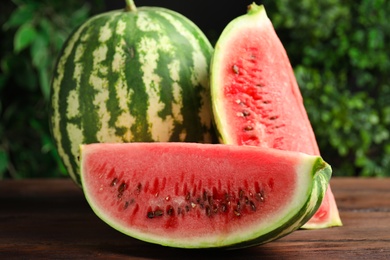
[(256, 99), (191, 195)]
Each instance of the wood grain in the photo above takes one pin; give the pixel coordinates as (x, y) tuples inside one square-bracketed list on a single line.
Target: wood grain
[(50, 219)]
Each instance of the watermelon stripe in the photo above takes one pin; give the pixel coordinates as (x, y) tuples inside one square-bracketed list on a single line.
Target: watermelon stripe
[(125, 77), (198, 70), (58, 100)]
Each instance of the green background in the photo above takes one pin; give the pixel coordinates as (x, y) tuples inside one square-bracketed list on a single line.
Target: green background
[(339, 51)]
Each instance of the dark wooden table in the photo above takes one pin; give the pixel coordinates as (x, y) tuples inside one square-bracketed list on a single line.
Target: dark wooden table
[(50, 219)]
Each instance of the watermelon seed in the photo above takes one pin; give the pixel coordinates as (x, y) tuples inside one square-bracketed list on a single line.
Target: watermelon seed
[(246, 113), (114, 182), (139, 187), (150, 214), (223, 208), (279, 126), (238, 205), (253, 206), (193, 205), (215, 208), (158, 213), (126, 205), (187, 208), (235, 69), (248, 128), (240, 102), (205, 196), (210, 200), (167, 198), (237, 213), (122, 187), (170, 210), (259, 196), (188, 196), (243, 114), (208, 211), (273, 117)]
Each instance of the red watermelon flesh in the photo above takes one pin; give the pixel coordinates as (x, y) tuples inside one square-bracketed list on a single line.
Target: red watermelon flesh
[(194, 195), (256, 99)]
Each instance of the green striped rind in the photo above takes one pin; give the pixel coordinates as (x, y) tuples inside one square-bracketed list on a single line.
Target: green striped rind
[(321, 173), (131, 76)]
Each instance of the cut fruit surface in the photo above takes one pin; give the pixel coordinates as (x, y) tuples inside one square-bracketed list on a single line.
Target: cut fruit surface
[(202, 195), (256, 99)]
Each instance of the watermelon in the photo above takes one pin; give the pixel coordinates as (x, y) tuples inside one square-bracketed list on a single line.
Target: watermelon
[(138, 74), (256, 99), (193, 195)]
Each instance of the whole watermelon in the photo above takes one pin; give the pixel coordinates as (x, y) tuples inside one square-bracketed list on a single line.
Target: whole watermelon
[(138, 74)]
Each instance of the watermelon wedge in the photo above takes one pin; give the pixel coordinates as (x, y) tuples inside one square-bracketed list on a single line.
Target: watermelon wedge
[(192, 195), (256, 99)]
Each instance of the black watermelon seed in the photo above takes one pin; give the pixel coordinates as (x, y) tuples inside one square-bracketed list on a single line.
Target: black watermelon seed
[(122, 187), (170, 210), (245, 113), (158, 213), (114, 182), (204, 196), (139, 187)]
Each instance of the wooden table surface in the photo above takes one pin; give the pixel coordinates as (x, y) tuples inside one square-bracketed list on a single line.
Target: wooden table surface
[(50, 219)]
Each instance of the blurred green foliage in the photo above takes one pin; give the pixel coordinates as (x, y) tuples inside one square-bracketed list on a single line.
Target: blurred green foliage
[(32, 33), (339, 50)]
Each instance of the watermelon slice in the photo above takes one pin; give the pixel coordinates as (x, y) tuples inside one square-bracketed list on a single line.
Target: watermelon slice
[(256, 99), (194, 196)]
